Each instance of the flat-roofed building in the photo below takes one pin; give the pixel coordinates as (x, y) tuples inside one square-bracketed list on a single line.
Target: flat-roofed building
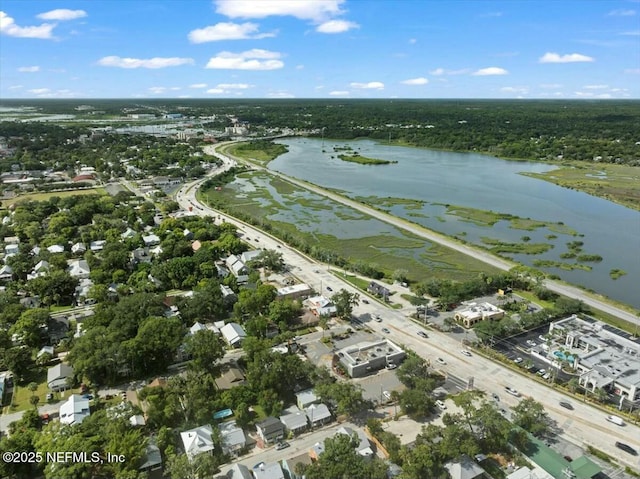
[(476, 312), (294, 291), (366, 357)]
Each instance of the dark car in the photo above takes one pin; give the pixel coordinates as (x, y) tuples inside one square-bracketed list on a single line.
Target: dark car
[(422, 334), (282, 445), (386, 331), (329, 288), (626, 448), (365, 301), (566, 405)]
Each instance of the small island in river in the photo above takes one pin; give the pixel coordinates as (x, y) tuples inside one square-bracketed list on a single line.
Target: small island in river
[(363, 160)]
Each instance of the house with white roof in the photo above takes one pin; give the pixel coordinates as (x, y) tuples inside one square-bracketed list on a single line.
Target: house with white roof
[(74, 410), (55, 248), (6, 272), (239, 471), (40, 269), (198, 326), (320, 306), (79, 268), (197, 441), (78, 248), (11, 249), (233, 334), (128, 234), (233, 438), (306, 398), (464, 468), (238, 268), (97, 245)]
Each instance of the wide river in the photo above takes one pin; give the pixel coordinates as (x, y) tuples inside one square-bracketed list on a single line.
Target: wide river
[(486, 183)]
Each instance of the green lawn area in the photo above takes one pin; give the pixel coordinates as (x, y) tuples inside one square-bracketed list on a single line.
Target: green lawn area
[(529, 296), (46, 196)]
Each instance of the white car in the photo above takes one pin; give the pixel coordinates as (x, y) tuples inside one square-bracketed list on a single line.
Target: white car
[(441, 405), (386, 394), (465, 353), (615, 420), (512, 391), (441, 361), (517, 360)]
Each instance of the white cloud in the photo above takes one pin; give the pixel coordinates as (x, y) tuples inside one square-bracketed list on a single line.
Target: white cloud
[(227, 31), (412, 41), (595, 87), (442, 71), (336, 26), (299, 67), (551, 57), (156, 62), (234, 86), (315, 10), (633, 71), (9, 27), (339, 93), (216, 91), (198, 85), (490, 71), (39, 91), (280, 94), (16, 87), (255, 59), (157, 90), (32, 69), (632, 33), (491, 15), (415, 81), (372, 85), (62, 14), (521, 90), (621, 13)]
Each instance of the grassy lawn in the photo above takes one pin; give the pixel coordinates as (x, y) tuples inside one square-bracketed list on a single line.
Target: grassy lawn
[(529, 296), (46, 196)]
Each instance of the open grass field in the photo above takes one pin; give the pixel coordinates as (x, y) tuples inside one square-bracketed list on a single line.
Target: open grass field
[(46, 196), (617, 183)]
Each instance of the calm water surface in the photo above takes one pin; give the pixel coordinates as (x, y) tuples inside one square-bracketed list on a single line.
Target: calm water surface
[(487, 183)]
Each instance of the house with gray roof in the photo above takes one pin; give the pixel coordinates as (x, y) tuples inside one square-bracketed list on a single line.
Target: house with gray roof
[(364, 446), (290, 465), (57, 376), (318, 414), (295, 422), (464, 468), (233, 438), (270, 430), (233, 334), (239, 471), (270, 470)]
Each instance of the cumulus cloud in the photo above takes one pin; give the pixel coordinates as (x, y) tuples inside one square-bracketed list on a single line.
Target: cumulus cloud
[(415, 81), (372, 85), (153, 63), (216, 91), (315, 10), (336, 26), (157, 90), (551, 57), (227, 31), (255, 59), (16, 87), (280, 94), (621, 12), (8, 27), (198, 85), (490, 71), (339, 93), (32, 69), (62, 14), (595, 87), (39, 91)]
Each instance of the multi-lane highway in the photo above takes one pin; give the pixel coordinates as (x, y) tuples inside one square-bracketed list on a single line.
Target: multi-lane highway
[(584, 425)]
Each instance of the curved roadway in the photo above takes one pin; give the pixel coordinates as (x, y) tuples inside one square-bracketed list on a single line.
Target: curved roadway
[(585, 425)]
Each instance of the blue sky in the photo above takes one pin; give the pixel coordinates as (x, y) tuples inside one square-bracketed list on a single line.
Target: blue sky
[(320, 49)]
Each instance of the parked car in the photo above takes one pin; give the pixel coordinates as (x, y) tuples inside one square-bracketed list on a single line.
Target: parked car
[(386, 394), (615, 420), (495, 397), (517, 360), (259, 465), (512, 391), (392, 366), (49, 396), (541, 372), (282, 445), (378, 318), (365, 301), (87, 396), (386, 331), (566, 405), (542, 338), (329, 288), (626, 448), (466, 353), (546, 376), (441, 405), (422, 334), (441, 361)]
